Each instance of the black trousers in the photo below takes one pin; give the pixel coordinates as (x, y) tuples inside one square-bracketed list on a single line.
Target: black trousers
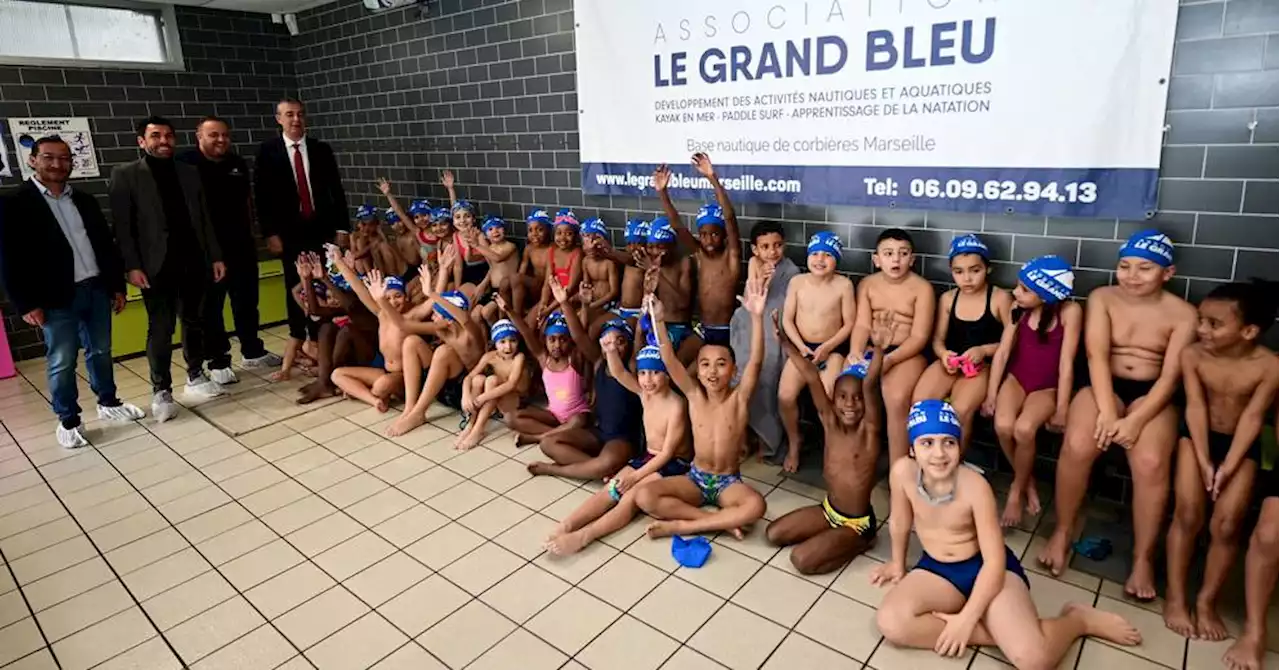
[(241, 285), (176, 293)]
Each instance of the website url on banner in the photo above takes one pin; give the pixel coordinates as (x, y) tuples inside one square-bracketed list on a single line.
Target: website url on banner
[(746, 182)]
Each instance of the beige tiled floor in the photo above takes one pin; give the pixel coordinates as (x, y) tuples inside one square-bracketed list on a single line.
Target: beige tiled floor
[(251, 533)]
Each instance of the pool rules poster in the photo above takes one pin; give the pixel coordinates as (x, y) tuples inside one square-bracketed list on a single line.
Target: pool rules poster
[(1036, 106), (74, 130)]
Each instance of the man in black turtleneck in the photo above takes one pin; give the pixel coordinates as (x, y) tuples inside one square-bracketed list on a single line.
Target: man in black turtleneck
[(171, 254)]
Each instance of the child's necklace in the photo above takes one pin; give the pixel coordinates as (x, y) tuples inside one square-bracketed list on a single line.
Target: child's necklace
[(940, 500)]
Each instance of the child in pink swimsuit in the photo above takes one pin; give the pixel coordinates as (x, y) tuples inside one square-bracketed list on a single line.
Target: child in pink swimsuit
[(1038, 349), (564, 373)]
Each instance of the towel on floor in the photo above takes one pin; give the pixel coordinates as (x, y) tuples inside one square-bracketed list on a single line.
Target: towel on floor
[(765, 421)]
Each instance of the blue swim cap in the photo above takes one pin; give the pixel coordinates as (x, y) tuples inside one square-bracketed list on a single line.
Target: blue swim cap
[(650, 358), (394, 283), (556, 325), (859, 368), (968, 244), (502, 329), (492, 221), (366, 212), (455, 298), (826, 242), (661, 232), (441, 214), (710, 215), (538, 215), (619, 325), (637, 231), (932, 417), (1050, 277), (390, 215), (690, 553), (464, 204), (594, 226), (1150, 245), (419, 207)]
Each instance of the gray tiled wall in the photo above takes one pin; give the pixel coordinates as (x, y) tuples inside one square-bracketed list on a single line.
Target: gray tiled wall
[(237, 66), (487, 89)]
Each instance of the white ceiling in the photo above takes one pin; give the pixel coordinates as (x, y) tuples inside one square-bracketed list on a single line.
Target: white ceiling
[(265, 6)]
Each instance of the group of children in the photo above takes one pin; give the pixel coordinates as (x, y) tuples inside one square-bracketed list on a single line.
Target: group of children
[(640, 396)]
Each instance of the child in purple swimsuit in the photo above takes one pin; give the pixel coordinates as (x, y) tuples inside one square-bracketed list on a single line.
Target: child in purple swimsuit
[(1038, 350)]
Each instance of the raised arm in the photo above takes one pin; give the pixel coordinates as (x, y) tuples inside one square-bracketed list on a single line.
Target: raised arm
[(753, 300), (882, 330), (661, 178), (446, 180), (618, 370), (357, 285), (588, 346), (385, 187), (675, 369), (733, 243)]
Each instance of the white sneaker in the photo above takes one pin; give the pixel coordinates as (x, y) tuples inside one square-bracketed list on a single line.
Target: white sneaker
[(201, 386), (122, 412), (223, 375), (163, 407), (72, 438), (266, 361)]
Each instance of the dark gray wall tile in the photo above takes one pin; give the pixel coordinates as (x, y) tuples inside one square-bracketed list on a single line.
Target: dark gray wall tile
[(1238, 231), (1250, 16), (1199, 21), (1195, 195), (1260, 264), (1064, 227), (1229, 54), (1226, 126), (1014, 223), (1242, 162), (1260, 197), (1204, 262), (1099, 254), (1026, 247), (1247, 89), (1182, 161), (1193, 91)]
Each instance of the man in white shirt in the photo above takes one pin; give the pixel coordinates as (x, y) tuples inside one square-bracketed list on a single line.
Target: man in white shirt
[(63, 274)]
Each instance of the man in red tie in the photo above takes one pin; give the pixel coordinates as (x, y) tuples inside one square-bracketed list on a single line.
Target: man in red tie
[(299, 196)]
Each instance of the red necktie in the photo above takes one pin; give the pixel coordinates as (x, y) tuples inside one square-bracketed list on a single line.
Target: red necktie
[(304, 190)]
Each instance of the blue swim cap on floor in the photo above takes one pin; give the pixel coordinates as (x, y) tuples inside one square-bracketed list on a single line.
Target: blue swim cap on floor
[(690, 553)]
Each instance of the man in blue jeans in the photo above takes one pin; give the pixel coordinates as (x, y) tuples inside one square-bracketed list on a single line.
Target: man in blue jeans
[(62, 273)]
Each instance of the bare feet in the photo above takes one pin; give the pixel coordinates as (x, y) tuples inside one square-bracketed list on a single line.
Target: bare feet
[(566, 544), (467, 441), (1210, 626), (659, 529), (407, 422), (1108, 626), (1012, 515), (1033, 499), (382, 406), (1141, 584), (1245, 654), (737, 533), (541, 468), (313, 392), (1054, 554), (281, 375), (1177, 618)]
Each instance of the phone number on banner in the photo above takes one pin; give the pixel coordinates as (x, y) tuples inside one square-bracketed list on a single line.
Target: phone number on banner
[(972, 189)]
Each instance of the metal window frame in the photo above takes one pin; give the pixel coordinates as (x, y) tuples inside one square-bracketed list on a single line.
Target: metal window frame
[(168, 29)]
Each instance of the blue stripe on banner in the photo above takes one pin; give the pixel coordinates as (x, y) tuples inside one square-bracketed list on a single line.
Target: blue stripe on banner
[(1125, 193)]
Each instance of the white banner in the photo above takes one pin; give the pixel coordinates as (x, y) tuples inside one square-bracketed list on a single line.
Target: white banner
[(4, 156), (74, 131), (1042, 106)]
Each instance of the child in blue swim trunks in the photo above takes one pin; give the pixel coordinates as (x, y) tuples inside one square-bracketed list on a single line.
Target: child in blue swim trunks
[(718, 415), (968, 587), (669, 276), (666, 436)]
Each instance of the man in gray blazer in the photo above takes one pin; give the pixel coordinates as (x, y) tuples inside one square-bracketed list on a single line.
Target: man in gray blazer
[(170, 252)]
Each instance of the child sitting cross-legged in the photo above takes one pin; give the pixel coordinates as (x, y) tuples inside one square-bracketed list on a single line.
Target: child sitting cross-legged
[(968, 587), (666, 435), (495, 384)]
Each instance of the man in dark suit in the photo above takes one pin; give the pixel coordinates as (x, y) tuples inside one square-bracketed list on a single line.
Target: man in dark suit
[(300, 200), (227, 190), (62, 273), (170, 252)]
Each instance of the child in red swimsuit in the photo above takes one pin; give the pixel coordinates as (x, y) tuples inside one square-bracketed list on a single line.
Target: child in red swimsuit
[(1038, 349), (564, 261)]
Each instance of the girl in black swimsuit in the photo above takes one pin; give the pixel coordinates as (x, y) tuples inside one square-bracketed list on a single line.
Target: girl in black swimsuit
[(959, 342)]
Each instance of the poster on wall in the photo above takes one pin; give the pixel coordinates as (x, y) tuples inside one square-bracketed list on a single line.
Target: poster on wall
[(1051, 107), (74, 130), (4, 156)]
